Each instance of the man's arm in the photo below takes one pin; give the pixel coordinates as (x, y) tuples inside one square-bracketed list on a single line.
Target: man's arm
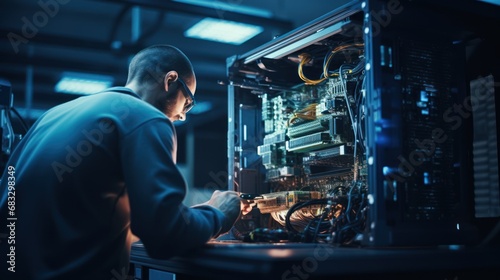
[(156, 190)]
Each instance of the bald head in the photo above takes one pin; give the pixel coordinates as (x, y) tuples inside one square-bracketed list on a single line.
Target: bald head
[(149, 66)]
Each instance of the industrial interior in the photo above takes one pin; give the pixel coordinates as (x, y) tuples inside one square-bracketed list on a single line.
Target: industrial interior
[(363, 133)]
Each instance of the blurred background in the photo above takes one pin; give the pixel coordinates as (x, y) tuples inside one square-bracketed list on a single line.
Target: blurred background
[(53, 51)]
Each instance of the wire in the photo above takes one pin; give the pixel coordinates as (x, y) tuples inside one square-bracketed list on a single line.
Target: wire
[(349, 109), (322, 218), (116, 23), (153, 28), (349, 201), (307, 113), (333, 53), (349, 69), (343, 217), (304, 59), (298, 206), (147, 33)]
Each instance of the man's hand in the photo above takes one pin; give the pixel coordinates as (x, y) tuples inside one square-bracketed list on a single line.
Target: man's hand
[(231, 205), (246, 206)]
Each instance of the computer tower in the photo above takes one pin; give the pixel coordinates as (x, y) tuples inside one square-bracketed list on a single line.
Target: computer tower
[(383, 114)]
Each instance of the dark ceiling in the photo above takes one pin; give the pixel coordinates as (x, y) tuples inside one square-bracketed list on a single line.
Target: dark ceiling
[(41, 39)]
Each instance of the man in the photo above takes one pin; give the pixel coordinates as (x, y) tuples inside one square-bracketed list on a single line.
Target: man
[(95, 171)]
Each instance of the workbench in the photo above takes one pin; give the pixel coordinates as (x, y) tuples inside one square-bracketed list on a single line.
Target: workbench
[(293, 261)]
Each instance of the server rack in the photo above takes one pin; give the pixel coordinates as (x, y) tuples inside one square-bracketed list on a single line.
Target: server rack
[(357, 111)]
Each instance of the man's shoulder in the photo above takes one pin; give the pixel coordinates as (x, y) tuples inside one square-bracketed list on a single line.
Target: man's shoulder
[(119, 107), (123, 101)]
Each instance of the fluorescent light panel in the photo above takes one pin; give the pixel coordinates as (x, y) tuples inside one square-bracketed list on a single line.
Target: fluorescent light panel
[(223, 31), (82, 83), (222, 6)]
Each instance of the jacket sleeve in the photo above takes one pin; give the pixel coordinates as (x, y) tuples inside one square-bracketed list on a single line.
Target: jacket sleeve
[(156, 189)]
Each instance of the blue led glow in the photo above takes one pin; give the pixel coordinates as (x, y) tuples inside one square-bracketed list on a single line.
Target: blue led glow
[(424, 96), (427, 180), (386, 170)]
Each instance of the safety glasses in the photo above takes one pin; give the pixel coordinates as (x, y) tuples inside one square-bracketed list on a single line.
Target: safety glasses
[(189, 96)]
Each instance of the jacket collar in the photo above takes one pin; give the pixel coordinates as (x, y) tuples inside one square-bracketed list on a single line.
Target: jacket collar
[(124, 90)]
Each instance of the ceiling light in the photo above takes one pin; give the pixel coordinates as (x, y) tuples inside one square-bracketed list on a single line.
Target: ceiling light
[(236, 7), (229, 7), (82, 83), (223, 31)]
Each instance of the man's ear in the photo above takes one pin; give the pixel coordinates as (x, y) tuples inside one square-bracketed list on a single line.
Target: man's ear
[(170, 77)]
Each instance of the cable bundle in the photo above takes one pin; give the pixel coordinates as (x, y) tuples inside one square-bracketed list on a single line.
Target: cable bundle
[(341, 218)]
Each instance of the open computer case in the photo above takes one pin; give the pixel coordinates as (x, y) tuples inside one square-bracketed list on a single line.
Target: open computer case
[(373, 125)]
